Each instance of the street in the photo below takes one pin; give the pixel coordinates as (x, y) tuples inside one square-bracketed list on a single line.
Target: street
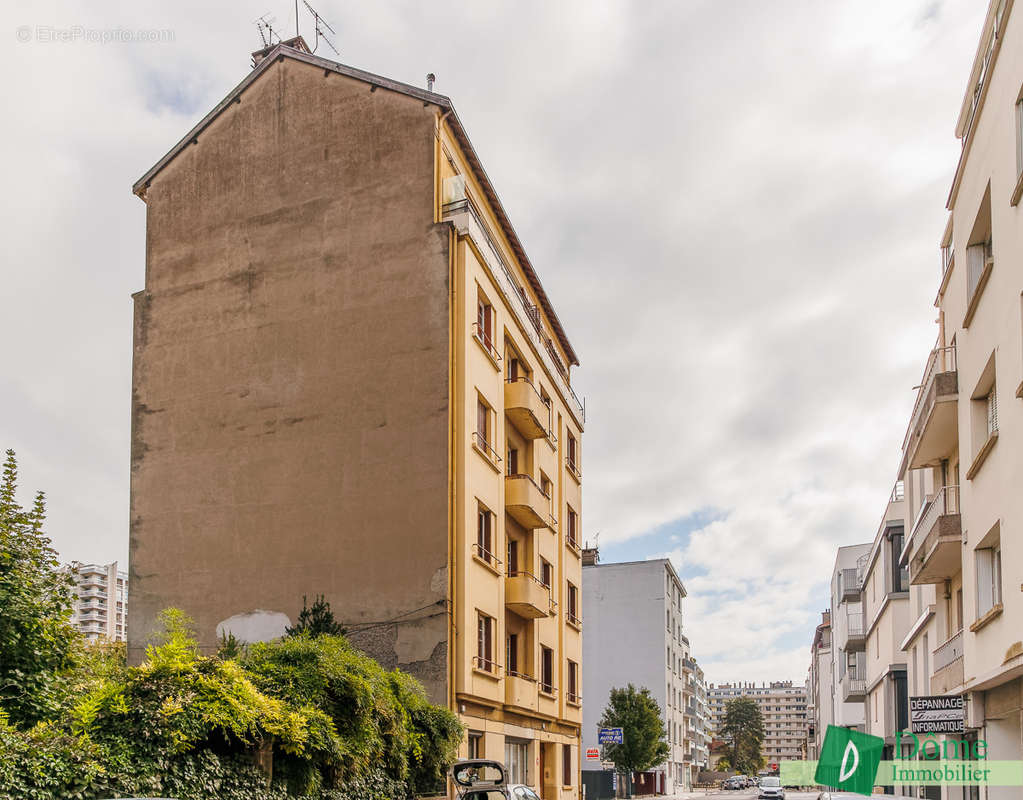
[(742, 794)]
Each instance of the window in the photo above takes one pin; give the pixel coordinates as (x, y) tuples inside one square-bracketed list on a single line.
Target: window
[(513, 461), (546, 670), (545, 485), (513, 556), (546, 400), (484, 320), (989, 578), (991, 403), (545, 573), (1019, 137), (573, 682), (573, 454), (516, 761), (566, 765), (900, 575), (475, 744), (484, 533), (573, 603), (482, 421), (573, 523), (485, 642), (512, 653)]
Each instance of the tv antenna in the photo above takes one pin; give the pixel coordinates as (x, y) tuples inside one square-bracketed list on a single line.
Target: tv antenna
[(319, 23), (266, 32)]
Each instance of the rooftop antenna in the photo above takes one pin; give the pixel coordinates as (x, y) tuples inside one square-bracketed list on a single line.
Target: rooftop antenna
[(319, 23), (266, 32)]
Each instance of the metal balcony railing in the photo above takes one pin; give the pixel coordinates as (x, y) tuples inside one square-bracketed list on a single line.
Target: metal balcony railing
[(521, 304), (486, 341), (946, 501), (941, 360), (948, 652)]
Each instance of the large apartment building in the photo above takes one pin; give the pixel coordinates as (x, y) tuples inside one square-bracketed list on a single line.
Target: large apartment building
[(963, 452), (99, 601), (943, 614), (698, 732), (633, 613), (349, 381), (783, 707)]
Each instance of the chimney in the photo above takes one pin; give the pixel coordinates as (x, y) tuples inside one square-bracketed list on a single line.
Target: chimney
[(295, 42), (430, 78)]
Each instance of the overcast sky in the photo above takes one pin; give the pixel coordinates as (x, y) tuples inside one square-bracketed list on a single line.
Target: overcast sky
[(735, 208)]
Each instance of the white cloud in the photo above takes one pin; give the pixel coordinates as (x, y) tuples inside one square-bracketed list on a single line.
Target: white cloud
[(735, 208)]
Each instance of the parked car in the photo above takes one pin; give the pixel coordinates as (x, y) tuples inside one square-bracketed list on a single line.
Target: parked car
[(771, 789), (481, 779), (735, 782)]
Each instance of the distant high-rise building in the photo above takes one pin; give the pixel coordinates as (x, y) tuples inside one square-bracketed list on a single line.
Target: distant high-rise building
[(783, 706), (100, 601)]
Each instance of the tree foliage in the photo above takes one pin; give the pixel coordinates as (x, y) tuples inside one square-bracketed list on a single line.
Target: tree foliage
[(36, 639), (316, 620), (636, 712), (77, 722), (743, 730)]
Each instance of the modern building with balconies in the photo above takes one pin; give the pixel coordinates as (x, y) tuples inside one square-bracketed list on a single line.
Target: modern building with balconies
[(633, 613), (964, 444), (99, 601), (350, 381), (848, 641)]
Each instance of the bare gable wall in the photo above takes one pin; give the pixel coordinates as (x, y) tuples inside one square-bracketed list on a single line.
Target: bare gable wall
[(290, 395)]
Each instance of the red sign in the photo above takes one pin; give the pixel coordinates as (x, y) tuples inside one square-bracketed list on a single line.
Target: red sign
[(593, 753)]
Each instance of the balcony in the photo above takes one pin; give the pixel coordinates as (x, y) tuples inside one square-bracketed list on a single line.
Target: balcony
[(855, 631), (852, 584), (526, 409), (948, 665), (526, 596), (461, 212), (526, 502), (520, 691), (934, 427), (935, 548), (854, 690)]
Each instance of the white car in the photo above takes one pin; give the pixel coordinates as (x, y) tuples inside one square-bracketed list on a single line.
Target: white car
[(481, 779), (771, 788)]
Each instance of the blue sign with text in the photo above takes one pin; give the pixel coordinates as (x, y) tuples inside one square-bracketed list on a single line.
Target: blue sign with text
[(610, 736)]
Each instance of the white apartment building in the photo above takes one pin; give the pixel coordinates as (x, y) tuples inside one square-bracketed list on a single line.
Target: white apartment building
[(848, 629), (100, 601), (963, 452), (633, 614), (698, 733), (783, 706)]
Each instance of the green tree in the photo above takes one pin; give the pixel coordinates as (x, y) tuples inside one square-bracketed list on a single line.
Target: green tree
[(37, 641), (317, 620), (743, 730), (636, 712)]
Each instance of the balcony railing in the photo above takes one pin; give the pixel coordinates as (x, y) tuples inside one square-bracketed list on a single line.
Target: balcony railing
[(572, 618), (941, 362), (853, 688), (480, 443), (933, 551), (486, 556), (485, 341), (486, 665), (474, 225), (527, 595), (526, 408), (527, 502), (948, 652)]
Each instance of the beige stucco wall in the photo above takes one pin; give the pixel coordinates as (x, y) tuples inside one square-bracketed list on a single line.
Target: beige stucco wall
[(290, 388)]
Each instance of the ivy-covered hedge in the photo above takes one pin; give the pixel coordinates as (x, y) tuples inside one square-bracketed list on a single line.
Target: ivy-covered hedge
[(307, 716)]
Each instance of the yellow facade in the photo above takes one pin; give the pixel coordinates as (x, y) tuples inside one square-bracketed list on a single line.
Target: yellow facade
[(515, 563)]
